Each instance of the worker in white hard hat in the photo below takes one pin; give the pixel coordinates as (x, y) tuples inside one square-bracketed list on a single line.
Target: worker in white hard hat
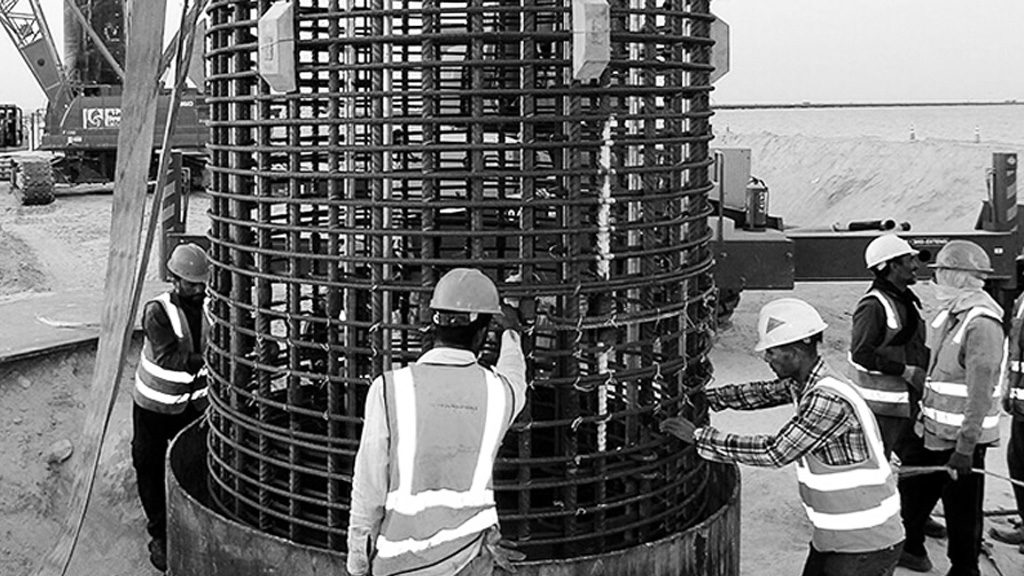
[(959, 417), (1013, 403), (170, 386), (422, 499), (846, 483), (887, 346)]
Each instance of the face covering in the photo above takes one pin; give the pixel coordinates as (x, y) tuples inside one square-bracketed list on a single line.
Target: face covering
[(945, 294)]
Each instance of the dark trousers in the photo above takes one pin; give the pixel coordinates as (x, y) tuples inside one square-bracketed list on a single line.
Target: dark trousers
[(1015, 460), (961, 499), (897, 434), (877, 563), (152, 432)]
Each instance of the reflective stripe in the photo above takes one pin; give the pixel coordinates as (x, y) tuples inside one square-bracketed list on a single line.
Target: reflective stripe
[(971, 315), (1016, 366), (1017, 393), (856, 520), (172, 313), (891, 319), (845, 480), (402, 500), (940, 318), (158, 396), (872, 395), (1020, 309), (482, 521), (405, 417), (952, 389), (492, 431), (162, 373), (951, 419)]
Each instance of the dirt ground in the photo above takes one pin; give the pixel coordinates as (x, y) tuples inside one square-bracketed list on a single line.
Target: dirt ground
[(63, 246)]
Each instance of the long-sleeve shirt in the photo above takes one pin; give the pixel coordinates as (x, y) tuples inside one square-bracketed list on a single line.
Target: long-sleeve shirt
[(167, 351), (370, 478), (869, 321), (824, 424)]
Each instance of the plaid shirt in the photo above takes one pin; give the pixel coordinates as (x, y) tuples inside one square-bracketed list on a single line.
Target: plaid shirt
[(825, 424)]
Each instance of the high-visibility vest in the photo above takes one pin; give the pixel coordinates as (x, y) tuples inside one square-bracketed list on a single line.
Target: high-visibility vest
[(1015, 360), (446, 425), (161, 389), (886, 394), (853, 508), (945, 389)]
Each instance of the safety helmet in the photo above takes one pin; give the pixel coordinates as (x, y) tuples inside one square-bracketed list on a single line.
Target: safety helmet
[(785, 321), (189, 262), (884, 248), (963, 255), (466, 290)]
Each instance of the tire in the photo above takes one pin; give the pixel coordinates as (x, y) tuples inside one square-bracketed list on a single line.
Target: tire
[(32, 181)]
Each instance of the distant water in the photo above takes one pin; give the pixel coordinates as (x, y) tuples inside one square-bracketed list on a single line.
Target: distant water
[(993, 124)]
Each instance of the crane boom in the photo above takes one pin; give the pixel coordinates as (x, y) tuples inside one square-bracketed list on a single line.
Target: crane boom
[(25, 23)]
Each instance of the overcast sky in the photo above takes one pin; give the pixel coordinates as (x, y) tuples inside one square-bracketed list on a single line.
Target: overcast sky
[(807, 50)]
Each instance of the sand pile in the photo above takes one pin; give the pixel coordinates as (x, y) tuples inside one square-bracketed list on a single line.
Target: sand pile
[(936, 185)]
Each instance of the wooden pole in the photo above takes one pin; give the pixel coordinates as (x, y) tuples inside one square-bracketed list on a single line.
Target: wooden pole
[(134, 150)]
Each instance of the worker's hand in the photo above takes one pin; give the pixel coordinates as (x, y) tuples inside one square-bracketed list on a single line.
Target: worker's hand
[(509, 319), (959, 465), (914, 375), (679, 427), (502, 552)]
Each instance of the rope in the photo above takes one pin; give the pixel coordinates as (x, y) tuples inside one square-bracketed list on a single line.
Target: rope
[(910, 471)]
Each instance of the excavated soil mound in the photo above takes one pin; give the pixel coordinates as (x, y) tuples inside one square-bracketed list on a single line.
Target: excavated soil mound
[(19, 268), (936, 185), (42, 405)]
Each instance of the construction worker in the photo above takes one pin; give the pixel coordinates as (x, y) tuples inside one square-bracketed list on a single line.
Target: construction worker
[(422, 501), (1013, 403), (959, 417), (170, 387), (887, 346), (846, 483)]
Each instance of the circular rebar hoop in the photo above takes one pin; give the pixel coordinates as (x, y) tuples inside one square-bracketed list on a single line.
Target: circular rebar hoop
[(426, 135)]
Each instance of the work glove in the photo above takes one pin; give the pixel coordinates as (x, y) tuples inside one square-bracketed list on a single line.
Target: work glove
[(679, 427), (914, 375), (959, 465), (510, 318), (502, 555)]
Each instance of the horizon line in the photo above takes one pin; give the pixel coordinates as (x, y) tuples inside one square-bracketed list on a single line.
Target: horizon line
[(865, 104)]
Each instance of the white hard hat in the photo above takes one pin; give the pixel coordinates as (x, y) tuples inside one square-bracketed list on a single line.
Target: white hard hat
[(963, 255), (885, 248), (785, 321)]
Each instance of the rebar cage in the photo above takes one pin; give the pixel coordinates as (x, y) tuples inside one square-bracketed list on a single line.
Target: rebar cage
[(430, 134)]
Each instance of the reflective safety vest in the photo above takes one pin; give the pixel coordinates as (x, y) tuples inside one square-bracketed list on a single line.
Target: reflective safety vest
[(1015, 361), (856, 507), (446, 424), (945, 390), (886, 394), (163, 390)]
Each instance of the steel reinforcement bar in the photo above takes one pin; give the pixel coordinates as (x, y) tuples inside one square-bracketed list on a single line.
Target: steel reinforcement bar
[(430, 134)]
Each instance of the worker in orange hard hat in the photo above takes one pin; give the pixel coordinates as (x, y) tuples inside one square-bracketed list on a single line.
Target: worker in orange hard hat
[(959, 417), (170, 388), (846, 483), (414, 512), (887, 346)]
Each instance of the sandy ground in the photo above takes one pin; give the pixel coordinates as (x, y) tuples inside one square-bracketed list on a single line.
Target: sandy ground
[(63, 246)]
